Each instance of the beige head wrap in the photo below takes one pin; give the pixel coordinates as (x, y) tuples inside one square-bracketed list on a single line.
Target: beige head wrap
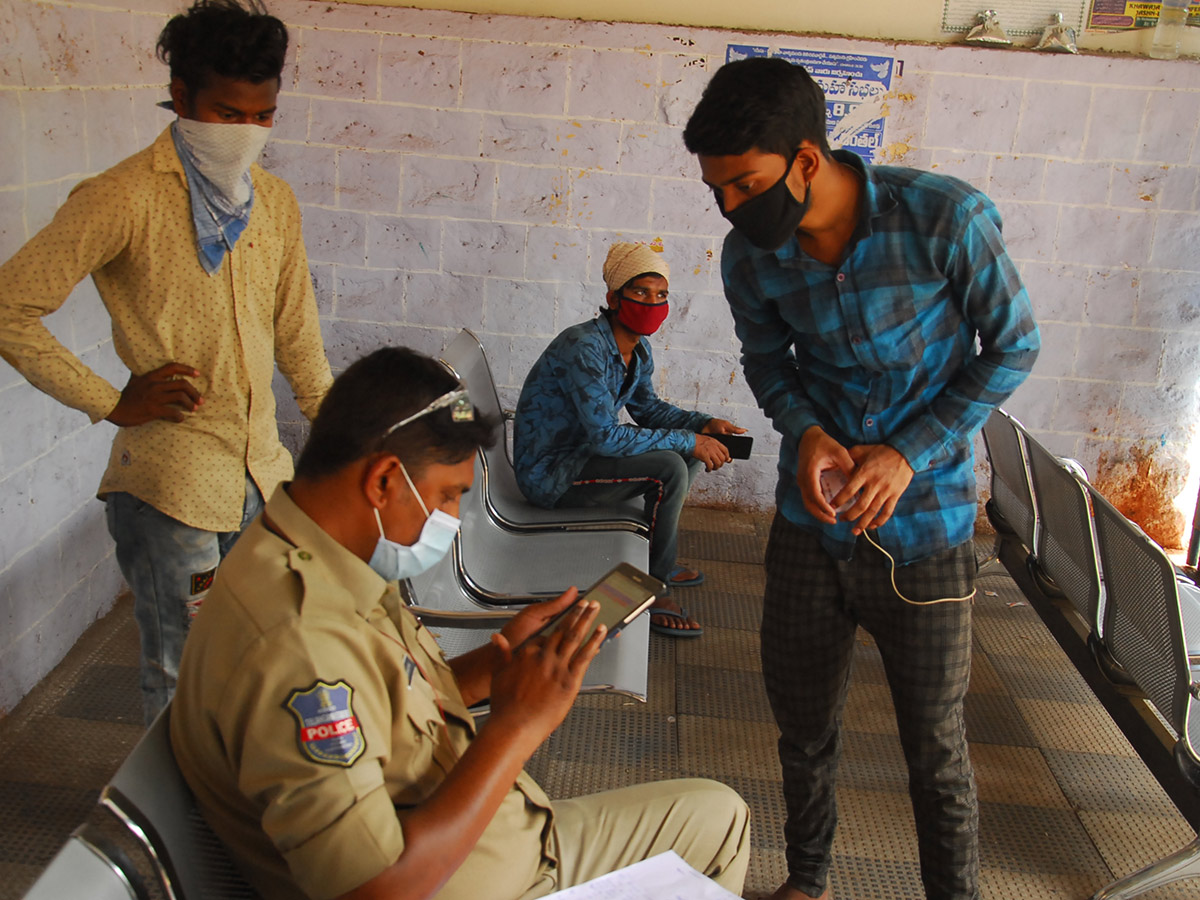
[(627, 261)]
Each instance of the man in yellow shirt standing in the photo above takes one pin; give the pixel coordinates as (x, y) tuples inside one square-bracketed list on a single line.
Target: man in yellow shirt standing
[(197, 255)]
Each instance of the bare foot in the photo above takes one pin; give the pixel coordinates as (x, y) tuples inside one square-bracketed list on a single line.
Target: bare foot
[(688, 624), (786, 892)]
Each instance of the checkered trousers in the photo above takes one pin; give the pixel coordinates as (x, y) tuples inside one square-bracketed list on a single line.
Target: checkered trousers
[(812, 607)]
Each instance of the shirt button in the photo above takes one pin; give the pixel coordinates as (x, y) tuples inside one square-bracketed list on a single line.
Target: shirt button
[(841, 276), (870, 423), (856, 340), (306, 556)]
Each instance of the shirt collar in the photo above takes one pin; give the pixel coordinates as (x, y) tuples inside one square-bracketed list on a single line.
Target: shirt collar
[(317, 553), (603, 325)]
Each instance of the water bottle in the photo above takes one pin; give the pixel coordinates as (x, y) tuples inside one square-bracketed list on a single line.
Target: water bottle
[(1169, 31)]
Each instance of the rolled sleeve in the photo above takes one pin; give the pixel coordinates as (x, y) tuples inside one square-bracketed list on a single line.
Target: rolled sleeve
[(351, 851)]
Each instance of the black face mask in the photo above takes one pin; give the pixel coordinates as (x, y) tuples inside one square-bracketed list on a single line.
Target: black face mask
[(768, 220)]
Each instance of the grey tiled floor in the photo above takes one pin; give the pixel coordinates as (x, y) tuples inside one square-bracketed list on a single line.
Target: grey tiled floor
[(1066, 805)]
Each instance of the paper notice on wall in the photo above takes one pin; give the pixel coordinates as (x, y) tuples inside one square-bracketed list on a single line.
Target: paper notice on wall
[(1124, 15), (856, 87)]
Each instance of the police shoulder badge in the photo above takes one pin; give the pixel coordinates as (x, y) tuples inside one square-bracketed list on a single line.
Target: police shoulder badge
[(327, 729)]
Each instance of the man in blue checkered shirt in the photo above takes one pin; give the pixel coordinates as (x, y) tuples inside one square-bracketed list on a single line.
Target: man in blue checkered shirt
[(881, 322)]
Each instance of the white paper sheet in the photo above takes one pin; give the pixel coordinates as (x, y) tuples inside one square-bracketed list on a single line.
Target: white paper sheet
[(662, 877)]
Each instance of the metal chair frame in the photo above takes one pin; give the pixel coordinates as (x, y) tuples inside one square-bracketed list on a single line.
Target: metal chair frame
[(467, 360)]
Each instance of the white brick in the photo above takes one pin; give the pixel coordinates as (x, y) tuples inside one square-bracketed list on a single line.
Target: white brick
[(1030, 230), (1175, 241), (57, 118), (1056, 291), (337, 64), (608, 84), (1169, 301), (308, 170), (682, 80), (1086, 407), (109, 137), (347, 341), (656, 150), (368, 181), (532, 194), (117, 60), (349, 124), (1053, 119), (334, 235), (484, 248), (421, 70), (1103, 236), (13, 140), (451, 188), (972, 168), (699, 322), (1115, 123), (406, 243), (686, 207), (556, 254), (322, 281), (84, 541), (1077, 183), (1112, 297), (1119, 354), (1156, 412), (370, 295), (578, 301), (149, 119), (693, 265), (1016, 178), (1059, 345), (520, 307), (452, 301), (578, 143), (1033, 401), (291, 119), (1169, 127), (508, 78), (989, 104)]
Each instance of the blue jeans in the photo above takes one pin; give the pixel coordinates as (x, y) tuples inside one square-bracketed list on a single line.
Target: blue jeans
[(169, 567), (662, 477), (812, 607)]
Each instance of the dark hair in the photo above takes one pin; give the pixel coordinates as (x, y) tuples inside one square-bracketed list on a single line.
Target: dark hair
[(222, 37), (374, 394), (765, 104)]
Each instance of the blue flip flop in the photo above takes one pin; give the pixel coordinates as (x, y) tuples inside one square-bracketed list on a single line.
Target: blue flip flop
[(667, 629), (689, 582)]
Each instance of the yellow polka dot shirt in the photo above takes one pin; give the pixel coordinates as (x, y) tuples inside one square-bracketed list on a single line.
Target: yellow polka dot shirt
[(130, 228)]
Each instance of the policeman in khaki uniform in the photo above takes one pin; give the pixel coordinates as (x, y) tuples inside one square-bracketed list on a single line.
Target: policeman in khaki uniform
[(326, 736)]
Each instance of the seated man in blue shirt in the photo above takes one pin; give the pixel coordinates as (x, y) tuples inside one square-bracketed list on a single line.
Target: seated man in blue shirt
[(570, 449), (881, 322)]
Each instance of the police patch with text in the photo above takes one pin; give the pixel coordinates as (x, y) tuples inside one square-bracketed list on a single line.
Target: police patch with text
[(327, 731)]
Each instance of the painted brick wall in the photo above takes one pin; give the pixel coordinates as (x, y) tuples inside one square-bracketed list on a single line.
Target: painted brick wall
[(459, 170)]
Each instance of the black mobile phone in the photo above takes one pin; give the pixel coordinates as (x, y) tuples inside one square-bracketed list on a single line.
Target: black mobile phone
[(623, 594), (738, 445)]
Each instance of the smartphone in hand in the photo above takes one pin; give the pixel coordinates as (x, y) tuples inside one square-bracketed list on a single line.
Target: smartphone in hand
[(738, 445), (623, 594)]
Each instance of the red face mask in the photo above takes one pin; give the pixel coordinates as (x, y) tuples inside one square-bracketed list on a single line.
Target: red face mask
[(641, 318)]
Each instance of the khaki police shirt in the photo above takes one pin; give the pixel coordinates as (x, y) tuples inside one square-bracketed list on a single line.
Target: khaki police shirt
[(131, 229), (306, 720)]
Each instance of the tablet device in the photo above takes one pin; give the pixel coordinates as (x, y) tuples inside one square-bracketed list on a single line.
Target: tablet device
[(623, 594), (738, 445)]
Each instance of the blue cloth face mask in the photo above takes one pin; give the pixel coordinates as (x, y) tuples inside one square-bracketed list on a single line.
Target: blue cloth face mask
[(392, 561)]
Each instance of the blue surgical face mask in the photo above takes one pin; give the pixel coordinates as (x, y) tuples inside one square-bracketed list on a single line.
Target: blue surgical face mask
[(392, 561)]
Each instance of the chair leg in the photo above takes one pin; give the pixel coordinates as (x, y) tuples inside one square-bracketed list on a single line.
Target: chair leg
[(1183, 863)]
